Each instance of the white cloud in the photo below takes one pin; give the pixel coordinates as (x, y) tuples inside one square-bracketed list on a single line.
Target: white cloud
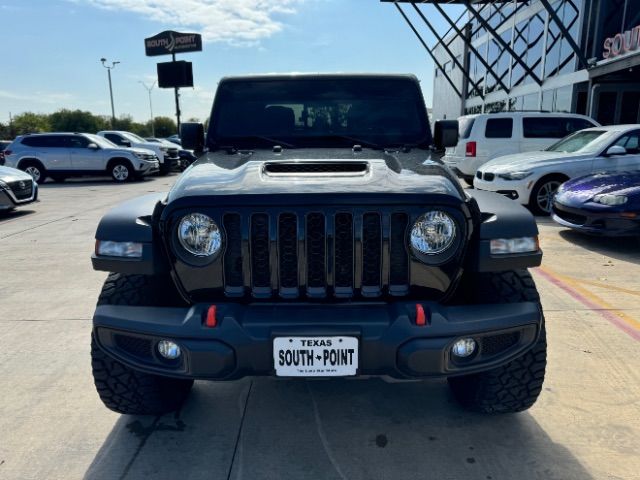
[(237, 22)]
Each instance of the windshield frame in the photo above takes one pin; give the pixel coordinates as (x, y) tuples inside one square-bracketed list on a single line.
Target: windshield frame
[(333, 137), (101, 141), (133, 137)]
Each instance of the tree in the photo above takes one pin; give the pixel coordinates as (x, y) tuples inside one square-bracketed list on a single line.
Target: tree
[(5, 133), (164, 126), (30, 122), (76, 121)]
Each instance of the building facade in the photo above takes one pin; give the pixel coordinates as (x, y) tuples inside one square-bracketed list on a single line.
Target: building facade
[(528, 62)]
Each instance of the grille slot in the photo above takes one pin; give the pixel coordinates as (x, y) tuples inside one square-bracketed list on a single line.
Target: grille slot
[(233, 253), (288, 250), (135, 346), (371, 254), (399, 263), (495, 344), (343, 253), (316, 254), (260, 273)]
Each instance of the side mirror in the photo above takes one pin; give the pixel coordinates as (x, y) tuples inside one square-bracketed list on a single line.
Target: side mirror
[(192, 136), (125, 143), (93, 146), (616, 150), (445, 134)]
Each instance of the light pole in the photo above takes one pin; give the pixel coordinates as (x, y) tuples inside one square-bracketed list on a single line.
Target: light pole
[(153, 127), (109, 68)]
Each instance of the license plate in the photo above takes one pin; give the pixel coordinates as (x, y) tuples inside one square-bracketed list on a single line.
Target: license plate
[(315, 356)]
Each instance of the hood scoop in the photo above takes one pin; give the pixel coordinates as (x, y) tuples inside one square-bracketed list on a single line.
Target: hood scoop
[(316, 168)]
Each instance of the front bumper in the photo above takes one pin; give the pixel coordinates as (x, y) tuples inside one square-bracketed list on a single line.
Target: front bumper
[(391, 344), (595, 223), (519, 190), (8, 201)]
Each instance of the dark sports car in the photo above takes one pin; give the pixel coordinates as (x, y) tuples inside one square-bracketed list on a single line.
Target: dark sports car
[(600, 204)]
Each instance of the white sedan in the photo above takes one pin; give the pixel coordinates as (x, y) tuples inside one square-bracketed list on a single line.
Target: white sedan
[(532, 178)]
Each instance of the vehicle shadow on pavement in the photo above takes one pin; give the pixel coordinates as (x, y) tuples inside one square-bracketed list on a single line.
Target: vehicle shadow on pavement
[(620, 248), (330, 429), (15, 214)]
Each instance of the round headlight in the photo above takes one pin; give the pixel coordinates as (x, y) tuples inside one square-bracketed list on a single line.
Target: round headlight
[(433, 233), (199, 235)]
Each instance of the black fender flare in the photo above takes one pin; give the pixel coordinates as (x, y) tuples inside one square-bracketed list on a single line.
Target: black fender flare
[(133, 221)]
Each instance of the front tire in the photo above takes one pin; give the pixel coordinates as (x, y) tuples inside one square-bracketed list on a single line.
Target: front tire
[(121, 171), (542, 193), (123, 389), (513, 387)]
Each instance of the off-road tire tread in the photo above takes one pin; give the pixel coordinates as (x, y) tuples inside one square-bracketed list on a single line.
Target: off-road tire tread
[(514, 387), (121, 388)]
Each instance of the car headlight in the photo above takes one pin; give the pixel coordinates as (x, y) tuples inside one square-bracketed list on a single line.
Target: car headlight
[(513, 175), (433, 233), (508, 246), (107, 248), (199, 235), (610, 199)]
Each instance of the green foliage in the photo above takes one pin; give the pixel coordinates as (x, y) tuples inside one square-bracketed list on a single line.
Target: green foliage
[(29, 122), (77, 121), (164, 127), (5, 133)]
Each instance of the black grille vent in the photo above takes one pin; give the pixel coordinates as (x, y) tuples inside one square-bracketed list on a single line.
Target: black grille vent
[(260, 250), (22, 189), (495, 344), (399, 263), (233, 252), (136, 346), (344, 250), (309, 167), (489, 177), (316, 254), (288, 250), (371, 250), (570, 217)]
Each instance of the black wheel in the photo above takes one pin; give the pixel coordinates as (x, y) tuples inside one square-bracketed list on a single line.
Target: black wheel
[(541, 199), (514, 387), (123, 389), (121, 171), (35, 169)]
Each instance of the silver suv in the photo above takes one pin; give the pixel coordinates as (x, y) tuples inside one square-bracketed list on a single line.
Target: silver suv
[(62, 155)]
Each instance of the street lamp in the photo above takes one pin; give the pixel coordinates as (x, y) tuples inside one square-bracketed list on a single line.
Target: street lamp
[(153, 127), (109, 68)]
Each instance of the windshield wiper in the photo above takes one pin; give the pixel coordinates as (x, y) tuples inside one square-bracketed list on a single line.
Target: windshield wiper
[(270, 140)]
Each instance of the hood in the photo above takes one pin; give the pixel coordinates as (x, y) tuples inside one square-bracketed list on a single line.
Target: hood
[(583, 189), (146, 151), (8, 174), (339, 171), (530, 160)]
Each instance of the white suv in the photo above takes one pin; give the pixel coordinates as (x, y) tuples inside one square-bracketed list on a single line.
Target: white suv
[(490, 135), (62, 155), (168, 155)]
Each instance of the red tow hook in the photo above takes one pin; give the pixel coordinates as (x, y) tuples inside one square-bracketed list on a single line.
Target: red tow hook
[(211, 320), (421, 317)]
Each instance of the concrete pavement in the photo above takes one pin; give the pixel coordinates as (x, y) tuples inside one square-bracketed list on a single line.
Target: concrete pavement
[(52, 424)]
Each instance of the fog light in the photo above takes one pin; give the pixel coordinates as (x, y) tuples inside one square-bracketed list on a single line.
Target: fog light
[(464, 347), (169, 349)]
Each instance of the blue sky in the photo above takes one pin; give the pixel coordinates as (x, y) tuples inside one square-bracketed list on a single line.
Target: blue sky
[(52, 48)]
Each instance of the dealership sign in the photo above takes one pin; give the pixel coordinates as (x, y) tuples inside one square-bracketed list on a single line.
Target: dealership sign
[(170, 42), (622, 43)]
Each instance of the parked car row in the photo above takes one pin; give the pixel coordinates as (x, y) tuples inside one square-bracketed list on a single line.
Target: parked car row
[(589, 180)]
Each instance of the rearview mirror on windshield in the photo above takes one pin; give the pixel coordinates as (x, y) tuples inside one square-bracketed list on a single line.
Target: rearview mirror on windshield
[(445, 134)]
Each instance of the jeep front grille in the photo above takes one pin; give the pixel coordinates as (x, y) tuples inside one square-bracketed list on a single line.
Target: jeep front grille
[(294, 254)]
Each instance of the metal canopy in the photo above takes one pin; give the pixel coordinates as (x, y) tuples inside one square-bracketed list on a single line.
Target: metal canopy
[(470, 8)]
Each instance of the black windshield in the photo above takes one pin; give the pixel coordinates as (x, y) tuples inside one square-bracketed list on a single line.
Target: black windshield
[(319, 112)]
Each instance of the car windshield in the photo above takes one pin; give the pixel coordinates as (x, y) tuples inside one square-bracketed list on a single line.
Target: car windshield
[(101, 141), (133, 137), (579, 141), (318, 112)]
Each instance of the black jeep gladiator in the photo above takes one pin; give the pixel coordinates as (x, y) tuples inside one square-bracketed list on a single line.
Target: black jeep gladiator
[(318, 235)]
